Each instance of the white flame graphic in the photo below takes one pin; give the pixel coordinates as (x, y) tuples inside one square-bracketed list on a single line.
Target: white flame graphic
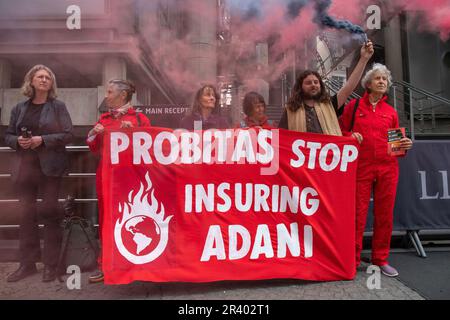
[(140, 206)]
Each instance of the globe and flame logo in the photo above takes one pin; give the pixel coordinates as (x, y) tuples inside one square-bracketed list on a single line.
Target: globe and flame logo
[(141, 234)]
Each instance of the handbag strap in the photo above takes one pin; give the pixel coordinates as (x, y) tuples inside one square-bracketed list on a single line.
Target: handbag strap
[(353, 115)]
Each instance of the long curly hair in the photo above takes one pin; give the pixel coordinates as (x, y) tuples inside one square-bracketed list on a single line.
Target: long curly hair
[(297, 97)]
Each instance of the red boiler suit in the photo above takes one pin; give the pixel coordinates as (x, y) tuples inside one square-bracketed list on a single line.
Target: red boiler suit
[(95, 144), (377, 170)]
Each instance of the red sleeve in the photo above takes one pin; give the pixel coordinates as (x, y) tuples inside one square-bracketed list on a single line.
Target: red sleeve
[(145, 121), (346, 118)]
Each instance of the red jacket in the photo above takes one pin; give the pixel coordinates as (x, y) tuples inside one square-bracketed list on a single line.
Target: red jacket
[(372, 124), (248, 123), (108, 121)]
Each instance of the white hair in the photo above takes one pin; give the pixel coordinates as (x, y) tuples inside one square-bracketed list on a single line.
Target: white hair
[(377, 67)]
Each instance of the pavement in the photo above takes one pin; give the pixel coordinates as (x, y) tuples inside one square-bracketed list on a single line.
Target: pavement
[(365, 286)]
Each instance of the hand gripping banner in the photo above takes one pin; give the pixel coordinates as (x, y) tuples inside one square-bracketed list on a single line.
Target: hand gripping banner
[(215, 205)]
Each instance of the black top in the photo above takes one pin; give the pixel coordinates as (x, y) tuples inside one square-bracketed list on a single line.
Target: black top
[(312, 122), (214, 121), (55, 127), (32, 117)]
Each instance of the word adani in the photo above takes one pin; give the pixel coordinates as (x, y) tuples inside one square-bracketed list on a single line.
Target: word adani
[(262, 242)]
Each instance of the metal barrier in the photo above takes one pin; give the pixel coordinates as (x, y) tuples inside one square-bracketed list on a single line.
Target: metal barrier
[(423, 106), (8, 200)]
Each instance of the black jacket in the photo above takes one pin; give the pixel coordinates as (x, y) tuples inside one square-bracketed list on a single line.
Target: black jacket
[(214, 121), (55, 126)]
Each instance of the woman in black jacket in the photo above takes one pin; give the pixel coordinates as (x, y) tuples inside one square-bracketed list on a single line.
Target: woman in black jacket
[(39, 130), (205, 111)]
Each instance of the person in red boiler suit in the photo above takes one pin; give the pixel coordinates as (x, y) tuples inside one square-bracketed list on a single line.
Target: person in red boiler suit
[(121, 115), (377, 169)]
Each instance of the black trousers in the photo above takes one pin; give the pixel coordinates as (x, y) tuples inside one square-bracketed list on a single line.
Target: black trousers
[(32, 183)]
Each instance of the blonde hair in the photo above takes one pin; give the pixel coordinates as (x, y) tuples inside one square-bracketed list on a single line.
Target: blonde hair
[(27, 88), (377, 67)]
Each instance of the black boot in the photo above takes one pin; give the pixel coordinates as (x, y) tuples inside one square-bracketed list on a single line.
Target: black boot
[(24, 271)]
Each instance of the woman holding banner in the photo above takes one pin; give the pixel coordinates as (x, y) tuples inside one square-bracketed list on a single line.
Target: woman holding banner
[(121, 115), (369, 120), (254, 107), (205, 111)]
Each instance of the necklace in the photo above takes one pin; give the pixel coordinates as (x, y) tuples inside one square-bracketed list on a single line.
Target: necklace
[(374, 104)]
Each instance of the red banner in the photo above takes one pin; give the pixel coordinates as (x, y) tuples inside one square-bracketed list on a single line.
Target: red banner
[(227, 205)]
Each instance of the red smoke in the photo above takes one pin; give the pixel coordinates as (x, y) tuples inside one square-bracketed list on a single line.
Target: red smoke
[(353, 10), (436, 15), (271, 24)]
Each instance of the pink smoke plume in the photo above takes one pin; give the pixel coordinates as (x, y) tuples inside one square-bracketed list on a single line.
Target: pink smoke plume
[(270, 23), (436, 15), (273, 25), (353, 10), (273, 22)]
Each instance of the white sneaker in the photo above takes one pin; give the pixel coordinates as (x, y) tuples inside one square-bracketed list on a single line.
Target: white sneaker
[(389, 271)]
